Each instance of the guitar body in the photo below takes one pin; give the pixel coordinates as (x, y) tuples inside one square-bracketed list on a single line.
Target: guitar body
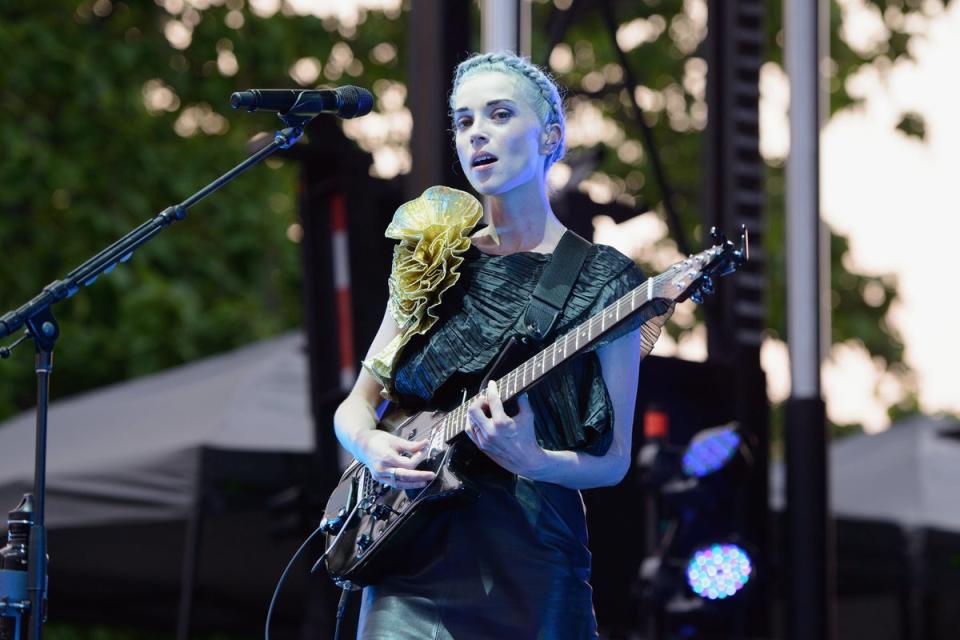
[(368, 523)]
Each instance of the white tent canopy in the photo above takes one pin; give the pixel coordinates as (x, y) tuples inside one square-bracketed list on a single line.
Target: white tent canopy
[(127, 453), (907, 475)]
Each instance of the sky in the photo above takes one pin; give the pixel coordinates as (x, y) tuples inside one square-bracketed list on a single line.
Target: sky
[(895, 198)]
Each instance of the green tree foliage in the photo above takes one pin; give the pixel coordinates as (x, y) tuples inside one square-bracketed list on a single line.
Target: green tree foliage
[(667, 59), (104, 123)]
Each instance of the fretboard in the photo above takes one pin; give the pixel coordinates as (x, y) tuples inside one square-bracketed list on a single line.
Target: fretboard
[(567, 346)]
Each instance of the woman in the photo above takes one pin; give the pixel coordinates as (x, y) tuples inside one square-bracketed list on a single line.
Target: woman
[(514, 564)]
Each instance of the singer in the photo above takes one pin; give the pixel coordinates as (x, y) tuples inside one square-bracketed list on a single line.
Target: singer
[(515, 562)]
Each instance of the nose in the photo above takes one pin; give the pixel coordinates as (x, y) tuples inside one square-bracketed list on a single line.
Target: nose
[(478, 137)]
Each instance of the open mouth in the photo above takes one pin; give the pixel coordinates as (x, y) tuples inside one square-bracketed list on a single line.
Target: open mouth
[(483, 160)]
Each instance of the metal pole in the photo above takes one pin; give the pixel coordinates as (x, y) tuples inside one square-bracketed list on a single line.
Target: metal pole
[(811, 553), (505, 26), (193, 533)]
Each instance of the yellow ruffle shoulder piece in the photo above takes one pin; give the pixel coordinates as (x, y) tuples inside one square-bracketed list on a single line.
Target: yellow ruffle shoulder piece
[(433, 231)]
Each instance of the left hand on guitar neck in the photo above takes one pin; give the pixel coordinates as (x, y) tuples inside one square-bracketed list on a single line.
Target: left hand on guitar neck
[(509, 441)]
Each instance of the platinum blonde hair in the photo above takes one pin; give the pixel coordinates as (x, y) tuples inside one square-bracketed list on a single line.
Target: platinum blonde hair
[(538, 86)]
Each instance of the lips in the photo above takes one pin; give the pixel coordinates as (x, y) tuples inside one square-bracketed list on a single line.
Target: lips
[(482, 159)]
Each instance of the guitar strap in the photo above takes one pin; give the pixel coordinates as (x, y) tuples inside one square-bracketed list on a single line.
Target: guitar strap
[(555, 285)]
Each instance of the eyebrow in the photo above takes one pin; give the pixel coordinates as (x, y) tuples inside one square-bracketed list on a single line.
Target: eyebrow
[(491, 103)]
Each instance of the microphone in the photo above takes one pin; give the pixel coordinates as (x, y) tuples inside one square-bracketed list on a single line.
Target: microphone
[(345, 102)]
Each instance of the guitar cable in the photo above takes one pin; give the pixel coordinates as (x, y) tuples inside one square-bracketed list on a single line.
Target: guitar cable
[(283, 578), (341, 607)]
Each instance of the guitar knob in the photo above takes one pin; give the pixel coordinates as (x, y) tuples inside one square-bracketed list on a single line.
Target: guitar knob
[(364, 542), (383, 511), (332, 525)]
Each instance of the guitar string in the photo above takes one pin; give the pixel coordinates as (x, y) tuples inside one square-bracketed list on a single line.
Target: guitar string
[(509, 382)]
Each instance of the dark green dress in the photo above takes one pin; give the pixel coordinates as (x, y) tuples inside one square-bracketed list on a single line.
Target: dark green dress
[(515, 563)]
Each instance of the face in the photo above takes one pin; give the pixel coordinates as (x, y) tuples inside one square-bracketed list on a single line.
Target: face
[(500, 141)]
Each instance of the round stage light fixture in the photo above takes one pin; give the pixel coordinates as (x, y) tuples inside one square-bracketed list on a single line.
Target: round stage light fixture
[(710, 450), (718, 571)]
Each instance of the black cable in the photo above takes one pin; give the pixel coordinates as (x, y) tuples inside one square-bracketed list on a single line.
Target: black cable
[(283, 577), (341, 609)]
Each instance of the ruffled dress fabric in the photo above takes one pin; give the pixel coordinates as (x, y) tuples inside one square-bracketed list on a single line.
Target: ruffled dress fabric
[(515, 562)]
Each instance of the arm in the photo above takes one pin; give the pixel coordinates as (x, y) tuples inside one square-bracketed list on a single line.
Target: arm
[(355, 424), (511, 442)]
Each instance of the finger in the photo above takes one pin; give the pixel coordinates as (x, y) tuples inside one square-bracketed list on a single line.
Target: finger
[(497, 413), (471, 431), (472, 428), (401, 461), (411, 446), (479, 420), (413, 477)]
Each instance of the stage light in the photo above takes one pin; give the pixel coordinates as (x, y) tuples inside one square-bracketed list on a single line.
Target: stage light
[(710, 450), (718, 571)]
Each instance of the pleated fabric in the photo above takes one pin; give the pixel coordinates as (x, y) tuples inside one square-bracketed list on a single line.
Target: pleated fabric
[(515, 563)]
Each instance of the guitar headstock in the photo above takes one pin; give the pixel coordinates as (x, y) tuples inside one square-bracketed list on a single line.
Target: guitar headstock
[(693, 277)]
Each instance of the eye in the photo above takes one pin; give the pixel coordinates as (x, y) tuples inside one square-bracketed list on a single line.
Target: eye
[(501, 114), (462, 122)]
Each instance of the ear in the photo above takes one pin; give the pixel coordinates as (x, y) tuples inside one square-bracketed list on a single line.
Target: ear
[(550, 139)]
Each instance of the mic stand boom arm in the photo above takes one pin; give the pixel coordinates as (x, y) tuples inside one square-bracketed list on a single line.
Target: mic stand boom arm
[(37, 316)]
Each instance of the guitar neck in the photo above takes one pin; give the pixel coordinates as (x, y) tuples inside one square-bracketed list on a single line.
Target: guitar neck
[(570, 344)]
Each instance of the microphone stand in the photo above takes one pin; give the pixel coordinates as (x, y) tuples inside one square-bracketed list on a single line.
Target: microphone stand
[(40, 325)]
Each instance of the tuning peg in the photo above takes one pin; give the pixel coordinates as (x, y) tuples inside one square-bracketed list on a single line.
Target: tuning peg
[(697, 296), (717, 235), (707, 284)]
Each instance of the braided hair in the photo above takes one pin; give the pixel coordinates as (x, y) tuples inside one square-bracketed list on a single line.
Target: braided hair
[(540, 88)]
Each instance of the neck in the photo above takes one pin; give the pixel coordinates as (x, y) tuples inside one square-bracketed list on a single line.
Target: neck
[(524, 220)]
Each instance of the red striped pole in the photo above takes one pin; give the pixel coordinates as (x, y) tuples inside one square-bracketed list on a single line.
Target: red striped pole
[(341, 284)]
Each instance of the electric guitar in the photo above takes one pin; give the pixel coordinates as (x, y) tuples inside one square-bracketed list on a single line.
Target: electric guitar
[(366, 522)]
